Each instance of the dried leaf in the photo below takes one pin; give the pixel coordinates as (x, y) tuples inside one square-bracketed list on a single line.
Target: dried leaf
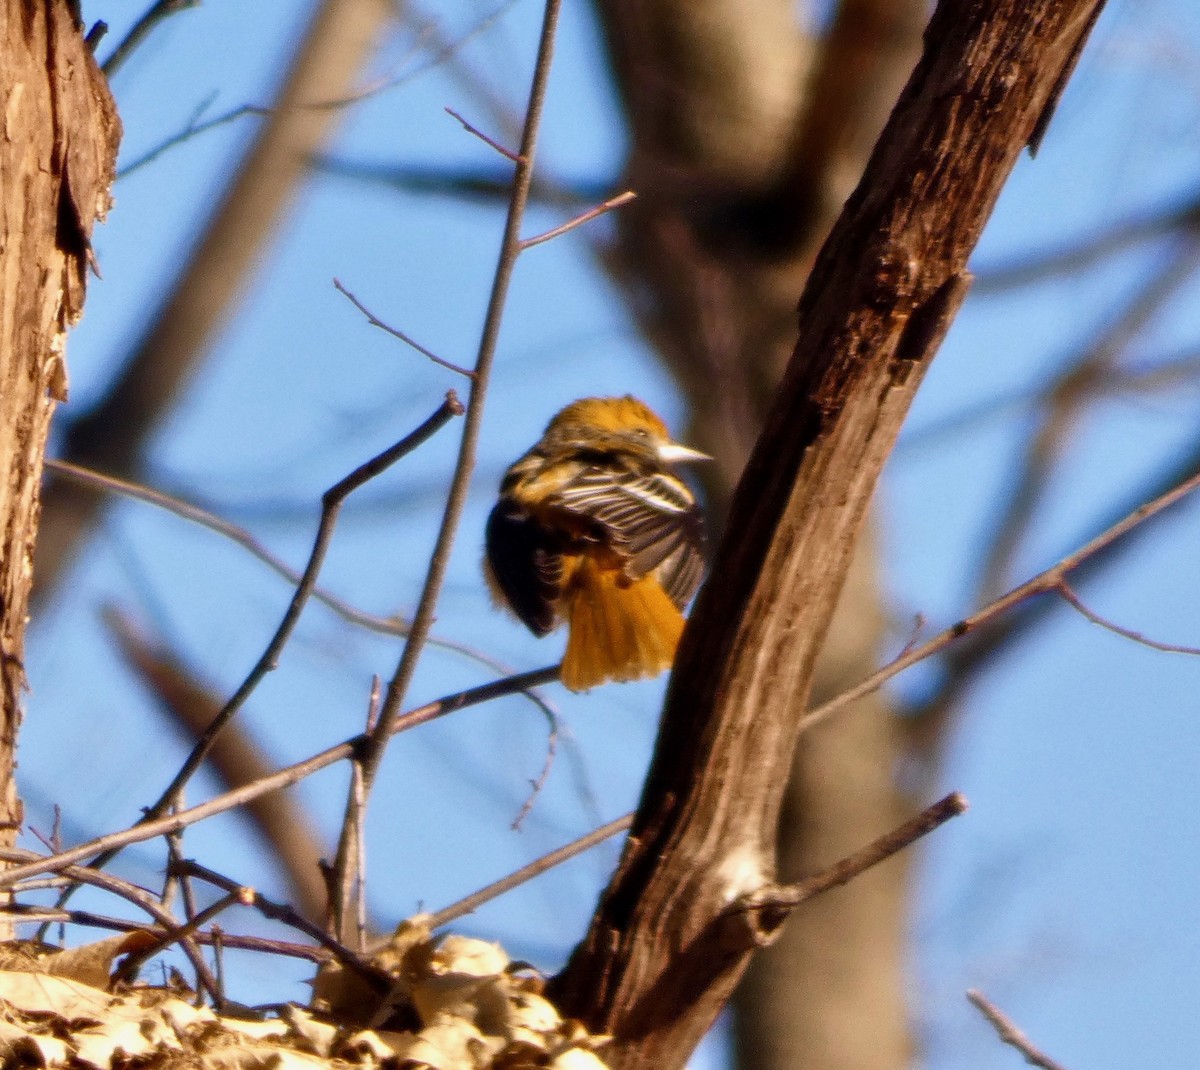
[(531, 1020), (101, 1045), (50, 1050), (318, 1037), (38, 993), (464, 977), (393, 956), (267, 1028), (576, 1059), (447, 1044), (92, 963), (462, 954)]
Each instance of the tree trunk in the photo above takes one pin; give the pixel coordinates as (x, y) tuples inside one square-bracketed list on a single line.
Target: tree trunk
[(695, 892), (749, 128), (57, 162)]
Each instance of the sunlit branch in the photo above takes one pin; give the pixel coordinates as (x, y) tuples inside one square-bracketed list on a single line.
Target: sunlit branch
[(291, 774), (579, 220), (1008, 1032), (526, 873), (1047, 581), (510, 248), (375, 321)]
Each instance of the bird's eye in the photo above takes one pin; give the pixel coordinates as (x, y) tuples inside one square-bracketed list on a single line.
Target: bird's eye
[(641, 432)]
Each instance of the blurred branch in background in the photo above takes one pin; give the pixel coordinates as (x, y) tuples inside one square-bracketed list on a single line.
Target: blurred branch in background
[(236, 759), (1079, 382), (212, 281)]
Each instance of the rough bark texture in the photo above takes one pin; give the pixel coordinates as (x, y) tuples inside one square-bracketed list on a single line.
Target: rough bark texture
[(673, 932), (749, 130), (57, 161)]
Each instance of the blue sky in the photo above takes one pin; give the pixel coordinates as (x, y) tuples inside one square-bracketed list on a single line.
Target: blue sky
[(1067, 890)]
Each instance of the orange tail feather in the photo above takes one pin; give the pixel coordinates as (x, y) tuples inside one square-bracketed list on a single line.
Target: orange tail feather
[(618, 630)]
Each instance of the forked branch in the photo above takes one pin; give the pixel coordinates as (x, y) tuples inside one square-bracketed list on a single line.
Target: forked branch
[(883, 291)]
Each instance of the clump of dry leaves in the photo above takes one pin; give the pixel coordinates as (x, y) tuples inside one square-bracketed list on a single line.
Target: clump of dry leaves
[(453, 1004)]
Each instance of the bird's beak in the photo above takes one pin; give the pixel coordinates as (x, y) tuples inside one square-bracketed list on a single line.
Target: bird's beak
[(674, 453)]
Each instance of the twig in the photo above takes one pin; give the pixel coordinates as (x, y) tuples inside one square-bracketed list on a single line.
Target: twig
[(1008, 1032), (360, 914), (1042, 583), (155, 14), (352, 891), (136, 895), (147, 830), (190, 511), (281, 912), (890, 843), (1072, 599), (331, 504), (510, 249), (579, 220), (535, 787), (382, 85), (235, 759), (135, 961), (27, 912), (375, 321), (218, 947), (526, 873), (508, 154), (95, 35), (925, 720)]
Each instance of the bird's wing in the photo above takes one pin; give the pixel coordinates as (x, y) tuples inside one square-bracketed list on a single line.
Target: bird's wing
[(525, 559), (650, 519)]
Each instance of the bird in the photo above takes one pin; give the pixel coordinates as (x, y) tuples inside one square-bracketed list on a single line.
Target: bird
[(594, 529)]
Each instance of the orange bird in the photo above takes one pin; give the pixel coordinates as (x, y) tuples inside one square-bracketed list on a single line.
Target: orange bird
[(594, 529)]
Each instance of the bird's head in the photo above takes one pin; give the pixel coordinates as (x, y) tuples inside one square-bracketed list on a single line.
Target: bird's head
[(624, 424)]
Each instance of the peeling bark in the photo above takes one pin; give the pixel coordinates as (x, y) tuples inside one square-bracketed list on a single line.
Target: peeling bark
[(57, 160), (672, 933)]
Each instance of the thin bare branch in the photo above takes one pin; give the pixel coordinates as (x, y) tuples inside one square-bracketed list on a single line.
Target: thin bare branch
[(1072, 598), (510, 248), (195, 127), (536, 785), (579, 220), (237, 758), (508, 154), (291, 774), (1078, 383), (141, 29), (133, 963), (190, 511), (131, 893), (526, 873), (375, 321), (28, 912), (1008, 1032), (281, 912), (331, 504), (790, 896), (1043, 582)]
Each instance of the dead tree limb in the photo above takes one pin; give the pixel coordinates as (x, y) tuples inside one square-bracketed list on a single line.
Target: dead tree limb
[(57, 161), (663, 952)]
